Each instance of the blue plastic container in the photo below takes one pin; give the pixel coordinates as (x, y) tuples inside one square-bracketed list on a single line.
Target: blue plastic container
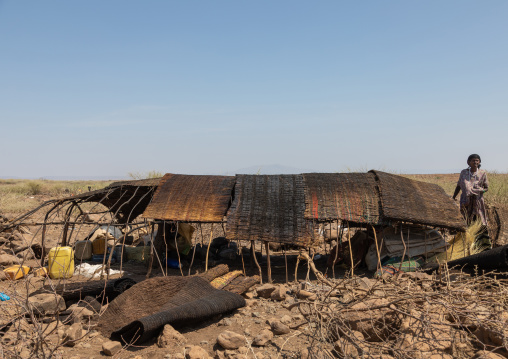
[(173, 263), (100, 257)]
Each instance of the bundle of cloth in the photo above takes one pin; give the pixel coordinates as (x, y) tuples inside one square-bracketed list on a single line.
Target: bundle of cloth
[(399, 243)]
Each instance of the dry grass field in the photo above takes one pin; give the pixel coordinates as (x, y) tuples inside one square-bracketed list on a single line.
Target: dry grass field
[(498, 185), (18, 196)]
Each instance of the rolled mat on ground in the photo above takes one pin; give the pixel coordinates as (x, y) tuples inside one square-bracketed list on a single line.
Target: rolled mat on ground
[(142, 311), (493, 259), (496, 258)]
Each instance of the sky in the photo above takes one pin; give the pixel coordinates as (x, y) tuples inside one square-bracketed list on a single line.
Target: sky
[(104, 88)]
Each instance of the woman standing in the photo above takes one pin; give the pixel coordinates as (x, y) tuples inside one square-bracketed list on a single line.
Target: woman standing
[(473, 183)]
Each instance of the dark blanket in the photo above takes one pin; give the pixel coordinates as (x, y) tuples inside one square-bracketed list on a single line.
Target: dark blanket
[(142, 311)]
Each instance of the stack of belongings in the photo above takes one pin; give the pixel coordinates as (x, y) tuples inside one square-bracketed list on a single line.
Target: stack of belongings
[(463, 244), (103, 241), (404, 248), (469, 251), (141, 312)]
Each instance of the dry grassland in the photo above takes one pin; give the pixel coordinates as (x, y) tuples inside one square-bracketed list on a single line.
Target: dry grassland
[(19, 196)]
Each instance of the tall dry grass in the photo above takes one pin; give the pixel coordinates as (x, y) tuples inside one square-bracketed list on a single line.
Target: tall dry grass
[(19, 195), (145, 175), (497, 195)]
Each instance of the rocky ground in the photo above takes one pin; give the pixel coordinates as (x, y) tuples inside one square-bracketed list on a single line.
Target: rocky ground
[(413, 316)]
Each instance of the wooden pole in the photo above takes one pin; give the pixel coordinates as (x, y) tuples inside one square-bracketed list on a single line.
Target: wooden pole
[(252, 253), (193, 254), (286, 262), (177, 251), (336, 247), (404, 243), (256, 261), (241, 255), (165, 245), (268, 265), (350, 251), (377, 249), (151, 253), (208, 248), (296, 266)]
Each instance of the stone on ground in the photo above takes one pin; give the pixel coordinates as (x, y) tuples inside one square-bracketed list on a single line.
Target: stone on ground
[(72, 333), (262, 338), (8, 259), (303, 294), (265, 290), (279, 293), (170, 337), (47, 304), (230, 340), (278, 328), (483, 354), (195, 352), (111, 347)]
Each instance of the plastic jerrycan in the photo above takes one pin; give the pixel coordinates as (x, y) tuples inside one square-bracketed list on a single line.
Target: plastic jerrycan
[(61, 262), (83, 250), (16, 272)]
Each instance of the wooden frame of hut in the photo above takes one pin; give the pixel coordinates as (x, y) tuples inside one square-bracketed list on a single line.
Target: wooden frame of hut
[(286, 209), (116, 206)]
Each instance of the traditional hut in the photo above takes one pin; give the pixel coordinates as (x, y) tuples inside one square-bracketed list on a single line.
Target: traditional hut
[(286, 209)]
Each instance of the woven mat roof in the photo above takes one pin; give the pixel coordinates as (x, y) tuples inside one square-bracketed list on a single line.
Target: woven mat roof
[(346, 196), (127, 202), (191, 198), (269, 208), (148, 182), (403, 199)]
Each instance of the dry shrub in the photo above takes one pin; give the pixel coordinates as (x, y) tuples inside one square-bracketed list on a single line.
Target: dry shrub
[(413, 316), (34, 188)]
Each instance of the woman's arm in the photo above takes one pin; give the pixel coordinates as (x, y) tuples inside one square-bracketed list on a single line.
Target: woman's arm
[(485, 184), (457, 190)]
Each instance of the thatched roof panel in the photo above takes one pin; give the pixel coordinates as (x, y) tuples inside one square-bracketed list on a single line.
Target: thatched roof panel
[(269, 208), (403, 199), (191, 198), (351, 197)]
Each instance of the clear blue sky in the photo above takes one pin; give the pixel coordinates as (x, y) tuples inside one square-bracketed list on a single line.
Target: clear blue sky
[(92, 88)]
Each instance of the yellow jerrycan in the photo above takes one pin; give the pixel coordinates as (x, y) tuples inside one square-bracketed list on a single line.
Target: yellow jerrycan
[(61, 262)]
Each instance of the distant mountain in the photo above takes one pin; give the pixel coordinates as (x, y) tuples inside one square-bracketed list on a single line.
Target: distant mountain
[(71, 178), (274, 169), (86, 178)]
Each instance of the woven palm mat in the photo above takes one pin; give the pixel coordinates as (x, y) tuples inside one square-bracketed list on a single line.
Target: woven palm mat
[(269, 208), (418, 202), (351, 197), (140, 312), (191, 198)]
